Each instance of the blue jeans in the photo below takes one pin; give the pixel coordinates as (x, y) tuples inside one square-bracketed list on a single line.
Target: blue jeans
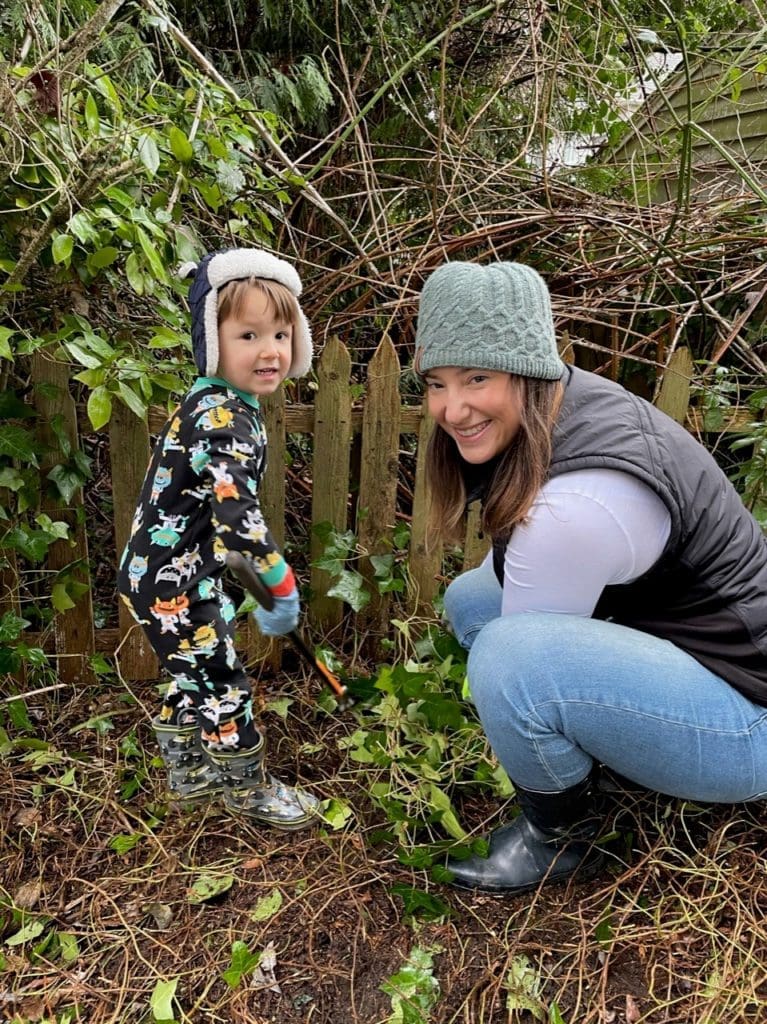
[(555, 693)]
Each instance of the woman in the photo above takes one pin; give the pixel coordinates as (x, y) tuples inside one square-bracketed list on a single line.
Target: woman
[(621, 617)]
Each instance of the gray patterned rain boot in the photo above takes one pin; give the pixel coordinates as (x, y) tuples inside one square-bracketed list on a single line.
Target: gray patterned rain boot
[(191, 778), (250, 791)]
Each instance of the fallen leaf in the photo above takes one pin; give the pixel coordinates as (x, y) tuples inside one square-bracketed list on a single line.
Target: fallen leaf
[(162, 914), (28, 895), (27, 817), (633, 1013), (33, 1009), (263, 976)]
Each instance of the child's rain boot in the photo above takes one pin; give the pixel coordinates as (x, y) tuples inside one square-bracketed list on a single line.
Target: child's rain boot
[(191, 777), (250, 791)]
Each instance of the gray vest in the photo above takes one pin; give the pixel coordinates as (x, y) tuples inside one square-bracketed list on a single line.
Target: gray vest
[(708, 591)]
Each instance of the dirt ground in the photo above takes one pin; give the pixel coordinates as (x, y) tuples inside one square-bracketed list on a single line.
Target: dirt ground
[(672, 931)]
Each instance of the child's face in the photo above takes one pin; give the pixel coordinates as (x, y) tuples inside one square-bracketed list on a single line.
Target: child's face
[(254, 349)]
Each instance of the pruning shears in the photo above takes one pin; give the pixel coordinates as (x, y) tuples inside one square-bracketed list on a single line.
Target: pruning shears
[(243, 569)]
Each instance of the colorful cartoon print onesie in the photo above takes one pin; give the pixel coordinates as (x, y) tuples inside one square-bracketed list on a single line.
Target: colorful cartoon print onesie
[(198, 502)]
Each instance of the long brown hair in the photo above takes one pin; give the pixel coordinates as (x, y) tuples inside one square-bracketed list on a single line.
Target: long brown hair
[(519, 474)]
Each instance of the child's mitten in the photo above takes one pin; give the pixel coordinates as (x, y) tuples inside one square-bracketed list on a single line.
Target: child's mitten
[(282, 619)]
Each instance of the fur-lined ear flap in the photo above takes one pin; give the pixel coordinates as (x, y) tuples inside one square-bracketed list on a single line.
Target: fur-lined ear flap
[(188, 269)]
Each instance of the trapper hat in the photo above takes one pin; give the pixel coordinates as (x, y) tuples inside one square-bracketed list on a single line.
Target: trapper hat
[(219, 268), (493, 317)]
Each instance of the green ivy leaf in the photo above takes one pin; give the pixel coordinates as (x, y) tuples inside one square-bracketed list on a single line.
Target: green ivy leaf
[(132, 400), (267, 906), (350, 587), (207, 887), (67, 480), (28, 932), (11, 406), (11, 627), (161, 1000), (336, 813), (243, 962), (68, 948), (11, 478), (441, 803), (60, 599), (134, 274), (92, 114), (421, 904), (180, 145), (18, 443), (125, 842), (61, 249), (148, 154), (524, 988), (99, 407), (280, 706), (103, 257)]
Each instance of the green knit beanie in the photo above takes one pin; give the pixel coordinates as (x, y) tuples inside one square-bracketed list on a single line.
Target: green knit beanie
[(495, 317)]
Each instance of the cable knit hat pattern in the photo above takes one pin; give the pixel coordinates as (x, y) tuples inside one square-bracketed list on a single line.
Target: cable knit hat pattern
[(493, 317), (219, 268)]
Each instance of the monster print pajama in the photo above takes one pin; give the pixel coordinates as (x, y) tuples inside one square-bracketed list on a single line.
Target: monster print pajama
[(198, 502)]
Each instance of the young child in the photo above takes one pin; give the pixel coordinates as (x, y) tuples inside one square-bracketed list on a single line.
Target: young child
[(198, 502)]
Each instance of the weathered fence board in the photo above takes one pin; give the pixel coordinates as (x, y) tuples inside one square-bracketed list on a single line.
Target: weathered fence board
[(330, 472), (379, 471), (477, 545), (272, 499), (73, 628), (674, 393), (129, 453), (425, 556)]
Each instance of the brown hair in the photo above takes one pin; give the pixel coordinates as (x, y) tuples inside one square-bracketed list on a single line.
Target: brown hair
[(283, 302), (519, 474)]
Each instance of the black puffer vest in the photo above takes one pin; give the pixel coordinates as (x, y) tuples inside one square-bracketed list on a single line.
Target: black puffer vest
[(708, 591)]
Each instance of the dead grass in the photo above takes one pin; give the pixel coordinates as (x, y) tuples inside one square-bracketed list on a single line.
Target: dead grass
[(673, 931)]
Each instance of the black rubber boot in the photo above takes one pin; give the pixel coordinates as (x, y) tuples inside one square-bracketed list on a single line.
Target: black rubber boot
[(249, 791), (191, 778), (549, 841)]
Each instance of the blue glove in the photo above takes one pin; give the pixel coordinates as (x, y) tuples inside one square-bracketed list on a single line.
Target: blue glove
[(282, 619)]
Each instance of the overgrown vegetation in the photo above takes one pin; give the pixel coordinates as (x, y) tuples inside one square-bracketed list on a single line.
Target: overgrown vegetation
[(369, 143)]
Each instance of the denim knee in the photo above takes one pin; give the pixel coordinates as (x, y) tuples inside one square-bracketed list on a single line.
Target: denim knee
[(471, 601), (505, 662)]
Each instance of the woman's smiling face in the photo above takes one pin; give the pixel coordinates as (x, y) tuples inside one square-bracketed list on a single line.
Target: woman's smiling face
[(479, 409)]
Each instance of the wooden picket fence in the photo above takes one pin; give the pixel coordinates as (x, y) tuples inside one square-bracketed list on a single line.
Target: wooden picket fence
[(332, 421)]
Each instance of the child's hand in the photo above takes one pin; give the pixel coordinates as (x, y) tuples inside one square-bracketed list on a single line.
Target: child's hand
[(282, 619)]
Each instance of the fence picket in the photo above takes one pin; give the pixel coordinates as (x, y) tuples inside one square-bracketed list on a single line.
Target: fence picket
[(674, 394), (272, 500), (73, 628), (129, 453), (379, 470), (476, 546), (330, 470), (425, 555)]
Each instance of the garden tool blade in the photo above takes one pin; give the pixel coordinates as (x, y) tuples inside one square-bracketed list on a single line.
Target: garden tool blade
[(243, 569)]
